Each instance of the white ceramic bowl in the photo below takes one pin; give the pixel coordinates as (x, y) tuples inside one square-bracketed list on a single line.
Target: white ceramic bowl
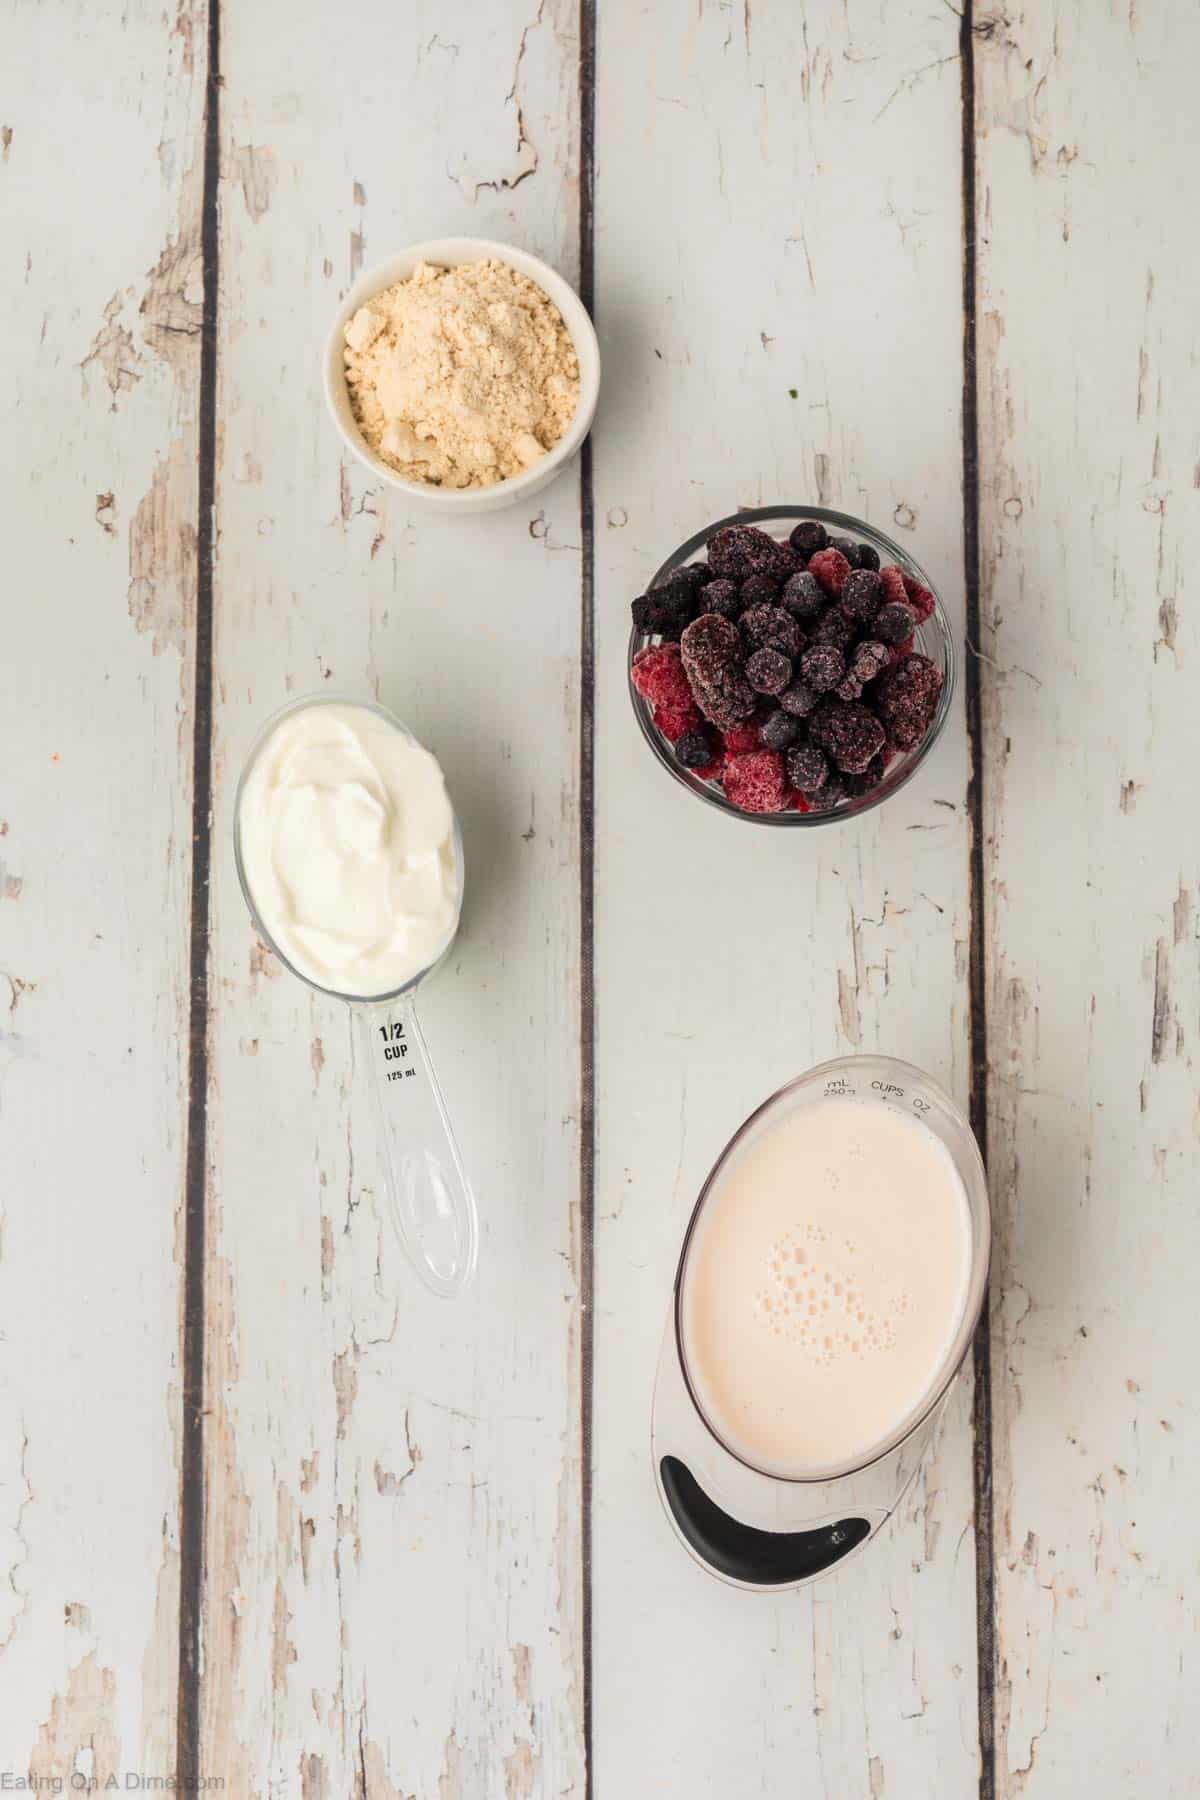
[(449, 252)]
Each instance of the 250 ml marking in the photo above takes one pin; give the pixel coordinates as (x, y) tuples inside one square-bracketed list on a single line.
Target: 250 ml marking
[(396, 1049)]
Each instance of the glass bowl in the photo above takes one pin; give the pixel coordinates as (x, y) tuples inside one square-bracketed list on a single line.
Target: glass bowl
[(932, 638)]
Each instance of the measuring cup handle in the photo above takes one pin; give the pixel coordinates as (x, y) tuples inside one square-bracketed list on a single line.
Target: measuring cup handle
[(429, 1196)]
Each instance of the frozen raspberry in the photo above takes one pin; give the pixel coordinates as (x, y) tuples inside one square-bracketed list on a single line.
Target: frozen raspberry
[(898, 653), (802, 595), (741, 550), (822, 666), (850, 734), (755, 782), (893, 622), (740, 739), (697, 749), (919, 598), (780, 731), (848, 548), (798, 699), (759, 588), (807, 768), (831, 569), (676, 722), (833, 627), (808, 537), (771, 628), (867, 558), (860, 596), (659, 677), (722, 597), (907, 698), (800, 804), (869, 660), (712, 657), (891, 582), (768, 671)]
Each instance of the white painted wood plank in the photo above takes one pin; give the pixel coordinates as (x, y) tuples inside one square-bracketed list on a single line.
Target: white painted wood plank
[(1088, 342), (778, 208), (394, 1561), (98, 507)]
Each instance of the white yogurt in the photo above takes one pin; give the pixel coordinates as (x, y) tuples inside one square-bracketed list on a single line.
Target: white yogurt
[(348, 848)]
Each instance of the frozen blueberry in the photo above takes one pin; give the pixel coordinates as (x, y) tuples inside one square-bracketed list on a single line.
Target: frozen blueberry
[(807, 768), (780, 731), (741, 550), (722, 597), (808, 537), (867, 558), (758, 590), (768, 627), (697, 749), (861, 596), (802, 595), (894, 622), (822, 666), (798, 699), (768, 671), (848, 548)]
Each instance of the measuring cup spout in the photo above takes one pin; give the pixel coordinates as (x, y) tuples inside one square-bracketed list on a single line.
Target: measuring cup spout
[(429, 1196)]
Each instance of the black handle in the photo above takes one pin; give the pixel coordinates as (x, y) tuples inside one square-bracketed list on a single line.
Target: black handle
[(744, 1552)]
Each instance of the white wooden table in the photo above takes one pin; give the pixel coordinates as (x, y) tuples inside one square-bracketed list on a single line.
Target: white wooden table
[(266, 1511)]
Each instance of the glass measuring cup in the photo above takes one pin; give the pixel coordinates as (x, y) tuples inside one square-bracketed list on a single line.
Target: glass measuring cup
[(429, 1197)]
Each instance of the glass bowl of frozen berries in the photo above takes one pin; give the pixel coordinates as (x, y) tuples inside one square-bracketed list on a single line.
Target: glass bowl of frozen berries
[(791, 665)]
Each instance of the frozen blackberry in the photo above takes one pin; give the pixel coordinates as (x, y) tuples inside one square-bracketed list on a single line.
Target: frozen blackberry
[(850, 734), (830, 794), (861, 596), (808, 537), (768, 671), (822, 666), (722, 597), (741, 550), (866, 780), (803, 595), (848, 548), (833, 627), (848, 688), (693, 575), (798, 699), (807, 768), (664, 611), (907, 699), (780, 731), (757, 590), (768, 627), (698, 748), (712, 659), (893, 622), (867, 558), (869, 660)]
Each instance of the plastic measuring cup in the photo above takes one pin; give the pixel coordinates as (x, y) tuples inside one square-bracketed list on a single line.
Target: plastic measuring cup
[(429, 1197)]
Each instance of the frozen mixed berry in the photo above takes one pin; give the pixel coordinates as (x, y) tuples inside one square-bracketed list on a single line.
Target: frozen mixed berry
[(860, 596), (798, 699), (759, 588), (867, 558), (740, 739), (755, 782), (919, 598), (807, 768), (849, 549), (831, 569), (869, 660), (822, 667), (867, 780), (780, 731), (830, 794), (894, 622), (907, 699), (659, 677), (712, 658), (696, 575), (768, 671), (676, 721), (833, 627), (722, 597), (664, 611), (891, 580), (740, 550), (697, 749), (803, 595), (768, 627), (898, 653), (850, 733), (808, 537), (848, 688)]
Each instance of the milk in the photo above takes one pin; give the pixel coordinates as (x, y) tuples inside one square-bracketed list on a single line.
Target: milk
[(824, 1283)]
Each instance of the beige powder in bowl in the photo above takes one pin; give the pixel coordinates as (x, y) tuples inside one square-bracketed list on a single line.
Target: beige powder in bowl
[(461, 377)]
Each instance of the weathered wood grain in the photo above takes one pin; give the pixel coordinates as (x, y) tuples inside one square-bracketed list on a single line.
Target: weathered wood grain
[(100, 365), (393, 1601), (778, 295), (1091, 515)]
